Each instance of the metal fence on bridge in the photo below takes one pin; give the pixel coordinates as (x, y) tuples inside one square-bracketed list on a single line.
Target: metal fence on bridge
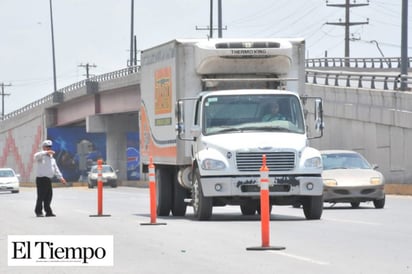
[(356, 63), (359, 80), (374, 73)]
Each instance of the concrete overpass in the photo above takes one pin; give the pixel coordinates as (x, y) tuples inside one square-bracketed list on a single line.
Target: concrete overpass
[(364, 111), (106, 103)]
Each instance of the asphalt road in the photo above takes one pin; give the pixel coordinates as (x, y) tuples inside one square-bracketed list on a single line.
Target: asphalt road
[(345, 240)]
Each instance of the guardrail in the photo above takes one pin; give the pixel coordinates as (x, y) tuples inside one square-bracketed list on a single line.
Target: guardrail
[(343, 62), (377, 81), (73, 87), (348, 79)]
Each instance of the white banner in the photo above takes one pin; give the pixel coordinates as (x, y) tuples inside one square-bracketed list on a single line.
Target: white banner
[(60, 250)]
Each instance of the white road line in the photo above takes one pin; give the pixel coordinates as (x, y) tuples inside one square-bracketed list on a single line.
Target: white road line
[(301, 258), (352, 221), (82, 211)]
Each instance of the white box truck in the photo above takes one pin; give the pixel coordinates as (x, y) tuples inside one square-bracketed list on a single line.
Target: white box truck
[(208, 116)]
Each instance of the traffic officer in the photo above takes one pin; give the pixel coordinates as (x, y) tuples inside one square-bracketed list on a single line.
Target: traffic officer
[(46, 169)]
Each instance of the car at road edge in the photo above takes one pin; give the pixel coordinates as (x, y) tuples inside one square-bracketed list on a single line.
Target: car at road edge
[(349, 178), (109, 176), (9, 180)]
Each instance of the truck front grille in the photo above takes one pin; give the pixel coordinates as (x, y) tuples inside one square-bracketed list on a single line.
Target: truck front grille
[(275, 161)]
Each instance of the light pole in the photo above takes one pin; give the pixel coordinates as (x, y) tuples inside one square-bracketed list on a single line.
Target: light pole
[(56, 97), (131, 62), (404, 46), (377, 46)]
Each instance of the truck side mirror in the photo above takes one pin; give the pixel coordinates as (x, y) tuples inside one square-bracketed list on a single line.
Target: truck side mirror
[(180, 118)]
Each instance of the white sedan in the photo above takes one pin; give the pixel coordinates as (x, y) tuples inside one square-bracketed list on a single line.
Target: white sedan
[(349, 178), (9, 180), (109, 176)]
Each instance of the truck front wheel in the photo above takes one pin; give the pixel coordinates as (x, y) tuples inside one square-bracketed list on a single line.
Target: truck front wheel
[(313, 207), (202, 206)]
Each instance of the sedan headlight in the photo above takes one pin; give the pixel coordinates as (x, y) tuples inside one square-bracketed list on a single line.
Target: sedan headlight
[(330, 182), (211, 164), (314, 162), (375, 181)]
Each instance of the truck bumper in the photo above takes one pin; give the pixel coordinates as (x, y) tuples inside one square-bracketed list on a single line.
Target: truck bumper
[(250, 186)]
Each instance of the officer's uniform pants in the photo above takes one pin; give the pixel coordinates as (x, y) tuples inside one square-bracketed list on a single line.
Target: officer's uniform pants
[(44, 195)]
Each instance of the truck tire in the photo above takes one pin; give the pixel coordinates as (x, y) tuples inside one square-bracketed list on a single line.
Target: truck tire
[(355, 204), (202, 206), (258, 208), (179, 194), (313, 207), (163, 191), (249, 207)]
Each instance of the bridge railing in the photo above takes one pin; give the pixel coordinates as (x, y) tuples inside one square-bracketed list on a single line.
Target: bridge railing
[(48, 99), (359, 80), (361, 63)]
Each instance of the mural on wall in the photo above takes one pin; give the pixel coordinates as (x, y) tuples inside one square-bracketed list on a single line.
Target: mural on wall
[(133, 156), (76, 150)]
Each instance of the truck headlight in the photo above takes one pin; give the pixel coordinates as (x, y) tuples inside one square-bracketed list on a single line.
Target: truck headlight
[(330, 182), (211, 164), (314, 162)]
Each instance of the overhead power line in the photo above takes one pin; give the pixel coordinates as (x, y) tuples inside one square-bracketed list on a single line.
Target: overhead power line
[(211, 28), (347, 23), (87, 66)]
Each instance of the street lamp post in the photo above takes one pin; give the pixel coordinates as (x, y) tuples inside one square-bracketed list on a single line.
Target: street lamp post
[(56, 96), (404, 46)]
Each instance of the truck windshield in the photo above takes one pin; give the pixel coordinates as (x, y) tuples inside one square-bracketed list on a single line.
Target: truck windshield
[(239, 113)]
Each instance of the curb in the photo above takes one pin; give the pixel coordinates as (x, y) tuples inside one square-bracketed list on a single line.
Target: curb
[(394, 189), (141, 184)]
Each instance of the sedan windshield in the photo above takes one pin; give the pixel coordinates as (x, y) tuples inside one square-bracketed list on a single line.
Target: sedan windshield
[(105, 169), (240, 113), (344, 161), (6, 173)]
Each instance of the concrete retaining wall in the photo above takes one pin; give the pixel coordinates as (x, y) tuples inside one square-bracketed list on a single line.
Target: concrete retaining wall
[(376, 123), (20, 138)]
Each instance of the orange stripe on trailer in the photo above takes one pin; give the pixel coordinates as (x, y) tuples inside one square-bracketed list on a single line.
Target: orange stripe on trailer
[(148, 146)]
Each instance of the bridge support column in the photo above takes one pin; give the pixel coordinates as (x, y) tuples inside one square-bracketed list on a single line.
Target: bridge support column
[(116, 127)]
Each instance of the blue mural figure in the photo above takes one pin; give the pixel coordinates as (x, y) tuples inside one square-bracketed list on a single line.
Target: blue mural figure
[(76, 150)]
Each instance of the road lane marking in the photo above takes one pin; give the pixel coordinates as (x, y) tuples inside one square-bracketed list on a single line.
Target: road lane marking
[(301, 258), (81, 211), (352, 221)]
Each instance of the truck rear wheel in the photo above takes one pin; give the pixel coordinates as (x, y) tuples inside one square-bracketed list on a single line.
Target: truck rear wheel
[(179, 205), (163, 191), (202, 206), (313, 207)]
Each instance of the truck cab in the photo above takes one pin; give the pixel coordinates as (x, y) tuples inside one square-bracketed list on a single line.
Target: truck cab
[(231, 132)]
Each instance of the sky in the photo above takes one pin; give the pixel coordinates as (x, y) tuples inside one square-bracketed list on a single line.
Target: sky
[(97, 32)]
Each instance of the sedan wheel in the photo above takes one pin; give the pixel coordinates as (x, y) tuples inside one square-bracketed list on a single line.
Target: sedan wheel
[(380, 203)]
